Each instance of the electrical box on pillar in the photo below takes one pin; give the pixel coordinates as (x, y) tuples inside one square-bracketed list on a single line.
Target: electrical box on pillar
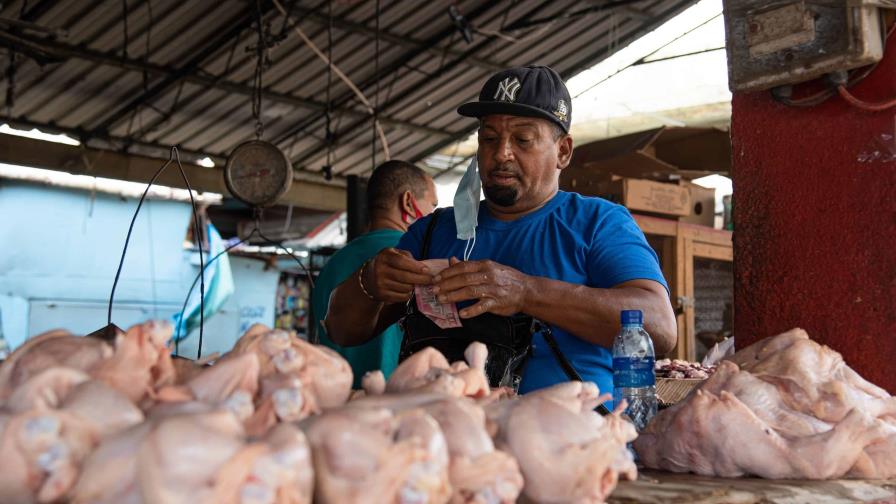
[(774, 43)]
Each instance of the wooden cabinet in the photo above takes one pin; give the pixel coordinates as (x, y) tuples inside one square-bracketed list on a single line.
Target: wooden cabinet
[(678, 244)]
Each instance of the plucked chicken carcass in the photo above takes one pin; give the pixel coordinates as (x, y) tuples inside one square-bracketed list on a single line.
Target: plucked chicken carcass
[(429, 371), (197, 457), (296, 378), (785, 407), (231, 384), (49, 426), (478, 472), (372, 455), (567, 452), (138, 362)]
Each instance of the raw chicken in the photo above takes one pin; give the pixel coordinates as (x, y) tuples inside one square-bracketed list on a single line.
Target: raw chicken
[(372, 455), (200, 457), (137, 363), (567, 452), (428, 371), (53, 421), (793, 409), (231, 384), (296, 378), (478, 472)]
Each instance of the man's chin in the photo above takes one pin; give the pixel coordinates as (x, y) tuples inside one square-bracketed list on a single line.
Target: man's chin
[(501, 196)]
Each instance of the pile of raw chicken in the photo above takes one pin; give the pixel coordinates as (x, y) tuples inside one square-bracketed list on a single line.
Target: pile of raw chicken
[(275, 421), (785, 407)]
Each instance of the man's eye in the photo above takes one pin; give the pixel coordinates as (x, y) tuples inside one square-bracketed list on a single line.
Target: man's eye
[(486, 139), (523, 140)]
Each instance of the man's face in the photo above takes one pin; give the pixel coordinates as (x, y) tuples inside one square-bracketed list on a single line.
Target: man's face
[(430, 200), (520, 161)]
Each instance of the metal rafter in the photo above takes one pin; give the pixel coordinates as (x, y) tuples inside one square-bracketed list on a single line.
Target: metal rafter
[(655, 22), (109, 58), (398, 40), (435, 40), (310, 155), (205, 49)]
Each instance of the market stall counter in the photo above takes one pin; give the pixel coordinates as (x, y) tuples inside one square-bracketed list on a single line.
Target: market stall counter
[(660, 487)]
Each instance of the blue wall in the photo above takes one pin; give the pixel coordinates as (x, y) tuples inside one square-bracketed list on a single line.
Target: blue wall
[(60, 247)]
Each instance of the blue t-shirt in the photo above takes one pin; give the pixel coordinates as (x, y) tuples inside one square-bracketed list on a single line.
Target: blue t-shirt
[(573, 238)]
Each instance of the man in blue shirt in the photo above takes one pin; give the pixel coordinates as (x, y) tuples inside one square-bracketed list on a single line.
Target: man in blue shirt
[(398, 193), (569, 261)]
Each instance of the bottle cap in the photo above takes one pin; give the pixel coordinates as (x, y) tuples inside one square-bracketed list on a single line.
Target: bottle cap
[(632, 317)]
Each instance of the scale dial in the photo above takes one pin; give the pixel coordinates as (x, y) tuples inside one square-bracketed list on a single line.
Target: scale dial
[(258, 173)]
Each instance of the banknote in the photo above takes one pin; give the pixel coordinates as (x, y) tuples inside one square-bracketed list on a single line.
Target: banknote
[(443, 315)]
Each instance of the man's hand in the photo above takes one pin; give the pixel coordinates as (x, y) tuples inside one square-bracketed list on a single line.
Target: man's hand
[(500, 289), (391, 275)]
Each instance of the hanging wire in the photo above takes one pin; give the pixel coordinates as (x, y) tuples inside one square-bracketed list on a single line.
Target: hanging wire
[(328, 169), (260, 50), (173, 156), (339, 73), (376, 98), (124, 17), (178, 335), (148, 46)]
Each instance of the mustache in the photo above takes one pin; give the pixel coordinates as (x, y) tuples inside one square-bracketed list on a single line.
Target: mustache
[(505, 170)]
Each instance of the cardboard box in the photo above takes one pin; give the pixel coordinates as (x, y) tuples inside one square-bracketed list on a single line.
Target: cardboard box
[(703, 205), (634, 194)]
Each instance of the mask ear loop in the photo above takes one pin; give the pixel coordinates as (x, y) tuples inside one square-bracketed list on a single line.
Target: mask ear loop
[(468, 248)]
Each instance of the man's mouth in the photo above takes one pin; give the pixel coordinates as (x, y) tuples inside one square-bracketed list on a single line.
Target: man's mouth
[(502, 178)]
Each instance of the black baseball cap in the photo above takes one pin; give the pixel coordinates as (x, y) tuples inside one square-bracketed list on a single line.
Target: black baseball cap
[(529, 91)]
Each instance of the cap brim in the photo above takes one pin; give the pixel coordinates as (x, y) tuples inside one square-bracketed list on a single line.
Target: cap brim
[(482, 109)]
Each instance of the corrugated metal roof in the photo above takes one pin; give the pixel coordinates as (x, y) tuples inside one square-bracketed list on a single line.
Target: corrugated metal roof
[(186, 75)]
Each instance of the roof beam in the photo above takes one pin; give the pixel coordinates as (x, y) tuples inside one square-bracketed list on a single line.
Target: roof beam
[(202, 51), (82, 160), (341, 136), (110, 59), (399, 40), (395, 66)]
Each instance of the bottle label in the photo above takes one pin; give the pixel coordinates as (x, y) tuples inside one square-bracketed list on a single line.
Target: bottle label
[(633, 372)]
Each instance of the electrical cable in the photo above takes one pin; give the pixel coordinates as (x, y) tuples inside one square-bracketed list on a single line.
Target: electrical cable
[(858, 102), (173, 156), (328, 169), (180, 321), (348, 82), (376, 98), (865, 105)]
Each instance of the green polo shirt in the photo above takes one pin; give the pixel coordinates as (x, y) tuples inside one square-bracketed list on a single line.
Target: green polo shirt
[(380, 352)]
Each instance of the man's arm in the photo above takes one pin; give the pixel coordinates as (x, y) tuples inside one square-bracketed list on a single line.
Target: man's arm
[(591, 314), (354, 318)]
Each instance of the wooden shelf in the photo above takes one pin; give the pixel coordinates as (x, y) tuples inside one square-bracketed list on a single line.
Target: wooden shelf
[(681, 243)]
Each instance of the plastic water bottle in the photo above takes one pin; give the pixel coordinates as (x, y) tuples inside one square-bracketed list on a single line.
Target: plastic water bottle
[(633, 377)]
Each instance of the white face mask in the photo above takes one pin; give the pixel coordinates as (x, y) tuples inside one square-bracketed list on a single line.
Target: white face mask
[(466, 207)]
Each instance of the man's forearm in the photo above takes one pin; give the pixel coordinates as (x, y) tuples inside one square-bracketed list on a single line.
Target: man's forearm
[(352, 317), (593, 314)]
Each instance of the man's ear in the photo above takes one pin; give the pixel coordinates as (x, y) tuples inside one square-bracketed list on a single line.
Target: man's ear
[(405, 204), (564, 152)]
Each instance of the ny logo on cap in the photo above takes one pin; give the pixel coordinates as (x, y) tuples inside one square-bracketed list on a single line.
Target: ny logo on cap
[(507, 89)]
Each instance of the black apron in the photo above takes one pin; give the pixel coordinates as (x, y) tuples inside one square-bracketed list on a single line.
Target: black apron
[(508, 339)]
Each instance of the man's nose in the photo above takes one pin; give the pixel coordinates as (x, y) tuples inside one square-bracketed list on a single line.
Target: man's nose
[(504, 152)]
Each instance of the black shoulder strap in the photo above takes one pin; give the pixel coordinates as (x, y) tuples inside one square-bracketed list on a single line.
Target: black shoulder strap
[(427, 236), (567, 367)]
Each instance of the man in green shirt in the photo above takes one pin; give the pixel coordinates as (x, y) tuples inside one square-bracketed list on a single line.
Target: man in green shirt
[(398, 193)]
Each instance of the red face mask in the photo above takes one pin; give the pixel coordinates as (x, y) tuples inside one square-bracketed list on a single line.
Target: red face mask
[(417, 213)]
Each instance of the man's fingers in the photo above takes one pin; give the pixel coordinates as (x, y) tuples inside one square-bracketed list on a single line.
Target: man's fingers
[(459, 268), (453, 260), (448, 285), (407, 278), (464, 294), (478, 308), (402, 260)]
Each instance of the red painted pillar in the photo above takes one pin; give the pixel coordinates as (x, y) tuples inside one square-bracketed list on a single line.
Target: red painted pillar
[(815, 222)]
